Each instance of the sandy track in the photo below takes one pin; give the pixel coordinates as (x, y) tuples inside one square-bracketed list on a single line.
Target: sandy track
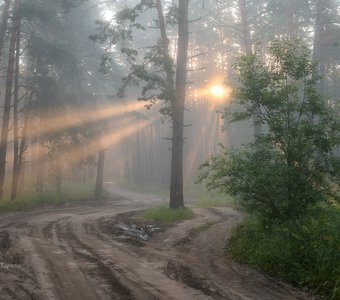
[(64, 253)]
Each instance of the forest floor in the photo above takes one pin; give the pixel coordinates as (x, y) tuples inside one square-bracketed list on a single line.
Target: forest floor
[(90, 251)]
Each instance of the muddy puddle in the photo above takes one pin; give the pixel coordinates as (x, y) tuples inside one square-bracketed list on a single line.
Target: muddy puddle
[(127, 228)]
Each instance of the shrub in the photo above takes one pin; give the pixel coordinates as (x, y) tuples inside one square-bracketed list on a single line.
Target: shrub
[(304, 252)]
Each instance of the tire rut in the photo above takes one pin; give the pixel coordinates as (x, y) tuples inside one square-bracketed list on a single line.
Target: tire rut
[(68, 255)]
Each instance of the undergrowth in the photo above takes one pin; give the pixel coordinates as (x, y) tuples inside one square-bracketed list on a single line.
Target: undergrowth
[(165, 214), (203, 198), (207, 198), (305, 253), (71, 192), (144, 188)]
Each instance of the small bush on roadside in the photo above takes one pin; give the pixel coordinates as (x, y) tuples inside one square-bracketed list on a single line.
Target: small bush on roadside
[(305, 252)]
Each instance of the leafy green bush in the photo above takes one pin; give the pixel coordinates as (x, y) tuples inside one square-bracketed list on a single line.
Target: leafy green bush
[(305, 252), (165, 214)]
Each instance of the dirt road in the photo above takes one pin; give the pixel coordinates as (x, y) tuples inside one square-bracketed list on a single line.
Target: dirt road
[(71, 253)]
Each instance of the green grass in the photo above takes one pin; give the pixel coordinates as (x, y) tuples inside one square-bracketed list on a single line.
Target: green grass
[(203, 197), (207, 198), (305, 253), (215, 202), (71, 192), (167, 215), (144, 189)]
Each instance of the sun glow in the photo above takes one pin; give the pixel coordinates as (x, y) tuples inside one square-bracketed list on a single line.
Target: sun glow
[(108, 15), (218, 91)]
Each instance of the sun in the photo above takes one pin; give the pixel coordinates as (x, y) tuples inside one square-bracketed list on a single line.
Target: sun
[(217, 91), (108, 15)]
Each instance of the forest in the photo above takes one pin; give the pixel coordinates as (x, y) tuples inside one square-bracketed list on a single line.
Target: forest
[(215, 107)]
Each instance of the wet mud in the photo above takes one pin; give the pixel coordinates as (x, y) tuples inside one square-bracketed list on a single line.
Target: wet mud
[(101, 251)]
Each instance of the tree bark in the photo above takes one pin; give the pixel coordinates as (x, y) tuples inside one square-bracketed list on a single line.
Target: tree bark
[(319, 30), (249, 51), (165, 48), (8, 96), (176, 183), (100, 174), (24, 137), (58, 178), (16, 156), (176, 90), (291, 26), (39, 180), (3, 25)]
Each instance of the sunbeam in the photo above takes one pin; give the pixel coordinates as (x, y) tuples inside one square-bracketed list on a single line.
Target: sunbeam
[(53, 122), (104, 141)]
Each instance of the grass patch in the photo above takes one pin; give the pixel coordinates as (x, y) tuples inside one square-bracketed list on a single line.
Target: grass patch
[(305, 253), (215, 202), (71, 192), (207, 198), (167, 215), (203, 197), (145, 188)]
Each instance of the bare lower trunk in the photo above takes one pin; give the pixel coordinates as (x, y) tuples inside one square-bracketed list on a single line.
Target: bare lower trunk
[(58, 178), (100, 174), (39, 183), (176, 184), (8, 96)]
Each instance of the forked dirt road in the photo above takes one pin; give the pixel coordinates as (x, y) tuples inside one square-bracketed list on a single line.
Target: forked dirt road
[(69, 253)]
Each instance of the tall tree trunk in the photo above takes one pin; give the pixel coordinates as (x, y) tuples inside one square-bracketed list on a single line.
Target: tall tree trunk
[(319, 30), (8, 96), (291, 23), (16, 158), (24, 137), (165, 50), (245, 27), (249, 51), (176, 90), (58, 179), (3, 25), (39, 157), (100, 174), (176, 183)]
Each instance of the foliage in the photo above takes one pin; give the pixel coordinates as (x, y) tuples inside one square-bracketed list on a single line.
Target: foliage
[(291, 167), (218, 201), (165, 214), (304, 252), (72, 192), (148, 65), (208, 198)]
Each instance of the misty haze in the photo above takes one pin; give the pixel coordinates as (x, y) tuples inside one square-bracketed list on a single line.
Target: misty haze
[(170, 149)]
